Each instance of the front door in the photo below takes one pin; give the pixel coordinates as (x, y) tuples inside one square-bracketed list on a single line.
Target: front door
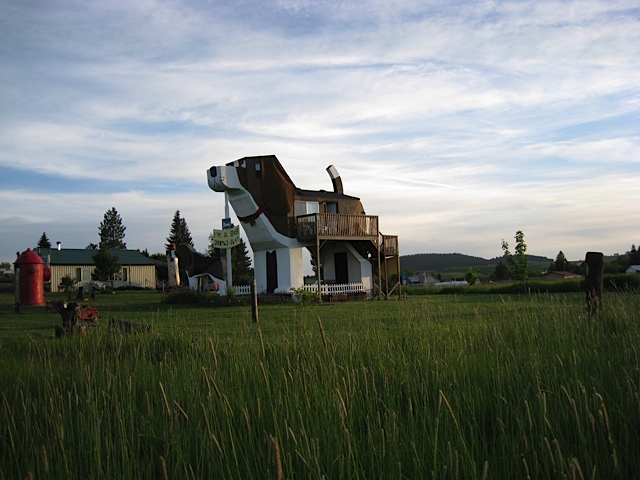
[(272, 271), (342, 271)]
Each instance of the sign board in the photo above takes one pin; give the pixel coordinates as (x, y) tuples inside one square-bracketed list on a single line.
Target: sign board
[(226, 238), (226, 223)]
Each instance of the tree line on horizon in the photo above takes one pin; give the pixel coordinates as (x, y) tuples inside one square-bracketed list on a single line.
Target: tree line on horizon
[(506, 267)]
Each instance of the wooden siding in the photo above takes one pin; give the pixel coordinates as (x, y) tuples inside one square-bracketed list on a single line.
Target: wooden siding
[(143, 276)]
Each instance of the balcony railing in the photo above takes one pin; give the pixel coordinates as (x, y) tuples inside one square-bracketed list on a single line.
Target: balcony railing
[(336, 226), (389, 245)]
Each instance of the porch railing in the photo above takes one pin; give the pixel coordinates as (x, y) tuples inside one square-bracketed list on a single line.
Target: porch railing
[(328, 289), (338, 288), (335, 225), (389, 245)]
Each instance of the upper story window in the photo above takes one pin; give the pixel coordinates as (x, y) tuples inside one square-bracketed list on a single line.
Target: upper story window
[(306, 208)]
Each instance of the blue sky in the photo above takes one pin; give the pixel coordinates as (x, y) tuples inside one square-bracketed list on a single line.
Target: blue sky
[(457, 123)]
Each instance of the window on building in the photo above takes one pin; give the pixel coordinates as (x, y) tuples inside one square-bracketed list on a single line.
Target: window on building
[(305, 208)]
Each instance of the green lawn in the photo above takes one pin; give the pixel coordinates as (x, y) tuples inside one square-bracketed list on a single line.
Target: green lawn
[(465, 386)]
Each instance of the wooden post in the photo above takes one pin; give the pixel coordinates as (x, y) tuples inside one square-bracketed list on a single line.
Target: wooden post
[(254, 301), (379, 245), (318, 276), (386, 277), (399, 276), (594, 284)]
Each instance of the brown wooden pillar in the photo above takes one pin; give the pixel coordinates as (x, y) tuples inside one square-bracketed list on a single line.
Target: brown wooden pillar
[(318, 276), (399, 276)]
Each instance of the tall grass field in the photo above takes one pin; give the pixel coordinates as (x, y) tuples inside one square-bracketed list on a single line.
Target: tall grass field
[(477, 386)]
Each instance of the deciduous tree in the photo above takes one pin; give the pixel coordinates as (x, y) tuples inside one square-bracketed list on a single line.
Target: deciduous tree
[(471, 277), (519, 263), (501, 272), (107, 264), (634, 255)]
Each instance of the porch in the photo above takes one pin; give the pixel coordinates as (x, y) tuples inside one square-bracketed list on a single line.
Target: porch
[(363, 234)]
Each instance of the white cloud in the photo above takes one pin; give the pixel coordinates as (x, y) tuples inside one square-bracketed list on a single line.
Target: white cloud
[(453, 121)]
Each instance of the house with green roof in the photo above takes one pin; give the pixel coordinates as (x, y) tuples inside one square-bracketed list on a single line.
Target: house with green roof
[(136, 269)]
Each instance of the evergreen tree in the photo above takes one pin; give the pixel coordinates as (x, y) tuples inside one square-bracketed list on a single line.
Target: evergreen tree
[(112, 231), (241, 269), (560, 264), (179, 232), (44, 241), (241, 265)]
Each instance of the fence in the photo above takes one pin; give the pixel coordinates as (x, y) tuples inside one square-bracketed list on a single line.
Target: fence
[(328, 289), (242, 289), (334, 289)]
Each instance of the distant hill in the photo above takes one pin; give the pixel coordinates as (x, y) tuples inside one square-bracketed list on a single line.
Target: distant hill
[(433, 262)]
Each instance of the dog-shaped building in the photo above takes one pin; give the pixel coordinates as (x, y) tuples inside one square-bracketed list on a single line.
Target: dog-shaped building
[(280, 220)]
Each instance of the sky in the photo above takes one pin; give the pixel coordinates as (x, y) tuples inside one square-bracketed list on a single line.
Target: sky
[(458, 123)]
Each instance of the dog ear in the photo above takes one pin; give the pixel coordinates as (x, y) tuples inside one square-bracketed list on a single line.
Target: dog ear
[(278, 191)]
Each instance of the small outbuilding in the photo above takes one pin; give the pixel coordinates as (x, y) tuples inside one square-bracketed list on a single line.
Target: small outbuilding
[(633, 270), (136, 270), (560, 275), (422, 279)]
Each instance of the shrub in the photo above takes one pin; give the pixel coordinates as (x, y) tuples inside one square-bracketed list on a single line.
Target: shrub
[(303, 297), (67, 283), (185, 296), (189, 296), (621, 282)]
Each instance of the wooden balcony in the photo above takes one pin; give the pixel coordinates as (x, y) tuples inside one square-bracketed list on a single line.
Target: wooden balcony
[(335, 226)]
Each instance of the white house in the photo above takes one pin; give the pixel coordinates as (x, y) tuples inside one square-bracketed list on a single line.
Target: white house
[(633, 270)]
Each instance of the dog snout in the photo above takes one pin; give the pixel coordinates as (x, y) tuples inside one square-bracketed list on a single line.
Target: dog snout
[(216, 178), (213, 178)]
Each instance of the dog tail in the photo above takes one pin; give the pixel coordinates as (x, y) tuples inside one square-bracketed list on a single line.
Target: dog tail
[(335, 179)]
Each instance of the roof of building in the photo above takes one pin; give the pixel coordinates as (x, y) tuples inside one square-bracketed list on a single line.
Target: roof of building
[(563, 274), (81, 256)]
